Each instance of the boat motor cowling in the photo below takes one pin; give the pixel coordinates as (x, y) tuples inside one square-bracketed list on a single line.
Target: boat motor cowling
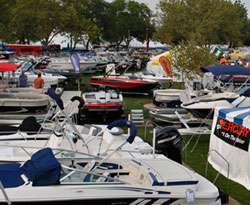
[(168, 141)]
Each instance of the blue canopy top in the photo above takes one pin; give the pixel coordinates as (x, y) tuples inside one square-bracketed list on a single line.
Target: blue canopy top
[(226, 70)]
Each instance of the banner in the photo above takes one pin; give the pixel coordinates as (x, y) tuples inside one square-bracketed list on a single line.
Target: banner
[(229, 144), (75, 62)]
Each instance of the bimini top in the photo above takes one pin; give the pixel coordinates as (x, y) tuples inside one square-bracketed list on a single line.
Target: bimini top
[(7, 67), (226, 70)]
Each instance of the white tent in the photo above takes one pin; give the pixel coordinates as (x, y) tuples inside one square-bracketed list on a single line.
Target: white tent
[(229, 144)]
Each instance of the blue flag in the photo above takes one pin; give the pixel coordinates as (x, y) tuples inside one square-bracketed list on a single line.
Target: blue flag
[(75, 62)]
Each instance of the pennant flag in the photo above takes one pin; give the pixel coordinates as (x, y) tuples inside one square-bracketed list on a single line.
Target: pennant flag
[(75, 62), (163, 60)]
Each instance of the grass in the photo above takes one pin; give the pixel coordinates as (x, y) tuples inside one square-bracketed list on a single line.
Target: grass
[(195, 159)]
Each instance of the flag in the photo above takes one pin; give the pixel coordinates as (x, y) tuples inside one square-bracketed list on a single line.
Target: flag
[(75, 62)]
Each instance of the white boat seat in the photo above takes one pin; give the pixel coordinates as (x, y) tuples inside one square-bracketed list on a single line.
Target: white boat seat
[(238, 101), (108, 137), (88, 168), (113, 95), (104, 179), (151, 180), (142, 176), (134, 167)]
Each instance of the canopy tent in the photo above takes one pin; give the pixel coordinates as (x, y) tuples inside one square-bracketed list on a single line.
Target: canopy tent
[(229, 144), (7, 67)]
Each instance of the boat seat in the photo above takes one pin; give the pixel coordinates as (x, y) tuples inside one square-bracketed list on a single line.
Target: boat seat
[(114, 96), (134, 167), (140, 175), (108, 137), (104, 179), (86, 177), (152, 180), (238, 101)]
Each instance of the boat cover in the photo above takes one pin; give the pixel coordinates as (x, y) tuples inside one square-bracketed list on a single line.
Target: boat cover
[(56, 97), (43, 168), (7, 67), (10, 175), (229, 144), (226, 70)]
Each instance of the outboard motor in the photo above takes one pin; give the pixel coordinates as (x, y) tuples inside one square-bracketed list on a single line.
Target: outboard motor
[(168, 141)]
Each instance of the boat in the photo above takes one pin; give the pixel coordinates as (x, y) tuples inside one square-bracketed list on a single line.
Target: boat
[(103, 168), (121, 174), (14, 71), (71, 76), (126, 83), (102, 105), (125, 181), (234, 75), (203, 107), (64, 63), (23, 102)]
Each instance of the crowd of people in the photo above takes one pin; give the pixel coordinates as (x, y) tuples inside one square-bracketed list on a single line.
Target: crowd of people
[(239, 61)]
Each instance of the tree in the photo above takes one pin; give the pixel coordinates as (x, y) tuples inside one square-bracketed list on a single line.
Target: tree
[(202, 21), (187, 58), (245, 37), (34, 20), (76, 24), (6, 34), (126, 20)]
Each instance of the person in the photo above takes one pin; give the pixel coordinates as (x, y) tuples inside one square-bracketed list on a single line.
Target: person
[(23, 79), (39, 82), (224, 61)]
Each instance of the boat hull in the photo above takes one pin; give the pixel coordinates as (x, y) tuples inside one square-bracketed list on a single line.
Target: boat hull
[(91, 194), (124, 85)]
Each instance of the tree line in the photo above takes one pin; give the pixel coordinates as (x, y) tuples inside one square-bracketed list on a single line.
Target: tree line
[(203, 22)]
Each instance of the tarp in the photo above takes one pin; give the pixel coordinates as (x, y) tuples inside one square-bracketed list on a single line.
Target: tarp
[(229, 144), (226, 70), (7, 67)]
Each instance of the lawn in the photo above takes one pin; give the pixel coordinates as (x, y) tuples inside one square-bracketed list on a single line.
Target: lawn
[(195, 159)]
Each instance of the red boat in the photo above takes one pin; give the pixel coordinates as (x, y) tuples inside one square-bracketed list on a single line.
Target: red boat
[(102, 105), (125, 83)]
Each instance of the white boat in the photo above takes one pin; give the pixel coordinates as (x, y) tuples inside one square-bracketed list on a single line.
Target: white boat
[(12, 78), (104, 168), (109, 181), (64, 63), (117, 172), (18, 104), (203, 106)]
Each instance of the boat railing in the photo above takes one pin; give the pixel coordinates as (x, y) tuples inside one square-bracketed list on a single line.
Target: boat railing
[(87, 176), (4, 193), (228, 167)]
